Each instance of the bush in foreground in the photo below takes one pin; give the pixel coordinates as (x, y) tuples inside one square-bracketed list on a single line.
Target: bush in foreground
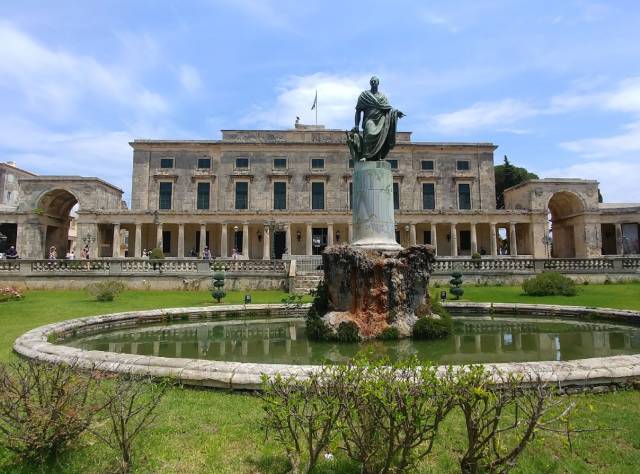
[(549, 284), (106, 290), (10, 293), (429, 327)]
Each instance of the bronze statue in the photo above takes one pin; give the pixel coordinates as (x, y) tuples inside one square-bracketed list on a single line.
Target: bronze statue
[(378, 125)]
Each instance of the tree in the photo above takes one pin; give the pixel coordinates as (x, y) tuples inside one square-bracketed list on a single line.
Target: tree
[(508, 175)]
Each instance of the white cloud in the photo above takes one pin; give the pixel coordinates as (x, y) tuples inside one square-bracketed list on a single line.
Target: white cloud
[(624, 97), (615, 145), (56, 81), (336, 102), (483, 115), (190, 79), (436, 19)]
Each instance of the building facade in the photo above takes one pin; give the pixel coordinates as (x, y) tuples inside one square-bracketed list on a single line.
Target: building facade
[(264, 194)]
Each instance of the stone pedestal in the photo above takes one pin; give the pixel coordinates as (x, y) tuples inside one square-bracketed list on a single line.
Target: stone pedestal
[(373, 220), (377, 289)]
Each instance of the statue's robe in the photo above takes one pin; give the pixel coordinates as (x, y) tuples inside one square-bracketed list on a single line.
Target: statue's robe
[(379, 125)]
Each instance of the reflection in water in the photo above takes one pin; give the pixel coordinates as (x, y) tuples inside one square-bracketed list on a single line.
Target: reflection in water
[(283, 341)]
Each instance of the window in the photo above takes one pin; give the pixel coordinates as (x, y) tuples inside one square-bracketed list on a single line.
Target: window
[(393, 164), (396, 196), (317, 195), (464, 196), (166, 190), (166, 163), (242, 195), (242, 163), (317, 163), (279, 163), (426, 165), (204, 163), (351, 195), (428, 196), (462, 165), (204, 191), (279, 195)]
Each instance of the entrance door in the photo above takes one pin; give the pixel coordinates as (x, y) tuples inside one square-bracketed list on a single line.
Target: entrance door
[(279, 244), (319, 239)]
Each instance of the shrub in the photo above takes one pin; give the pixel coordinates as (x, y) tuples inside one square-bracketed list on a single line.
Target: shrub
[(106, 290), (456, 283), (428, 327), (347, 332), (217, 283), (316, 329), (156, 254), (43, 408), (548, 284), (10, 293), (476, 256), (389, 334), (130, 409)]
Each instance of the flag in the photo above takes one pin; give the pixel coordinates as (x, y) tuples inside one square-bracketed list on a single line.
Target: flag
[(315, 102)]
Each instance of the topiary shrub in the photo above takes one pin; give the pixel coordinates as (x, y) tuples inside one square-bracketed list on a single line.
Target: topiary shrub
[(389, 334), (549, 284), (456, 283), (156, 254), (431, 328), (106, 290), (218, 283), (347, 332)]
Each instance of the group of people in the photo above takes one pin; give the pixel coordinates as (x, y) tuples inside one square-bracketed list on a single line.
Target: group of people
[(70, 255)]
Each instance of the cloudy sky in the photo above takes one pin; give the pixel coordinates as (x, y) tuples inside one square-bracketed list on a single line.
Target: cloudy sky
[(556, 84)]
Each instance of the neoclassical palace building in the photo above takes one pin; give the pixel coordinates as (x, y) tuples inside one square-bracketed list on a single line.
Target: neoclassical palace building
[(269, 193)]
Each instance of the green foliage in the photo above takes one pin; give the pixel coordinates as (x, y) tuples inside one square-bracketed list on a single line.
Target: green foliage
[(507, 176), (316, 328), (549, 284), (320, 296), (10, 293), (456, 283), (431, 328), (389, 334), (476, 256), (43, 408), (218, 283), (156, 254), (106, 290), (347, 332)]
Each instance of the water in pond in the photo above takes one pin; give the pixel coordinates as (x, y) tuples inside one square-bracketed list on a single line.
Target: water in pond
[(283, 341)]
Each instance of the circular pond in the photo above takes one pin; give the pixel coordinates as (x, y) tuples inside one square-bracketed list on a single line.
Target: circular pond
[(283, 340)]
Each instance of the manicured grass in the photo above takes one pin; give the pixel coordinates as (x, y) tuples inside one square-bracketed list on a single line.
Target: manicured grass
[(213, 431)]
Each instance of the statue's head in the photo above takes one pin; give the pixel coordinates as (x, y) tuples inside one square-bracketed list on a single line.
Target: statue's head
[(374, 81)]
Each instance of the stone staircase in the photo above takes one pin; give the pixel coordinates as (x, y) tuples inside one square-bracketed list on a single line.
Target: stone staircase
[(305, 282)]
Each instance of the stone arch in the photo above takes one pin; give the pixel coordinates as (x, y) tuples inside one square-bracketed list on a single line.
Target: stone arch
[(566, 209), (55, 206)]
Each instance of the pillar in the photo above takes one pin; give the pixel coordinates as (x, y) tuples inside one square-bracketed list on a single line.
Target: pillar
[(224, 250), (350, 235), (454, 241), (474, 238), (287, 238), (266, 243), (203, 238), (513, 245), (180, 240), (329, 235), (434, 238), (159, 236), (138, 242), (493, 238), (116, 241), (619, 240), (309, 249), (245, 241), (412, 234)]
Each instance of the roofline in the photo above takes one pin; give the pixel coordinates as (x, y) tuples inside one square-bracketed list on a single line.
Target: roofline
[(72, 178), (553, 180), (16, 168), (145, 141)]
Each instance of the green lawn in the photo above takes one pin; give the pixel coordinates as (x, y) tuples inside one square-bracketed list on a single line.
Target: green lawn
[(202, 431)]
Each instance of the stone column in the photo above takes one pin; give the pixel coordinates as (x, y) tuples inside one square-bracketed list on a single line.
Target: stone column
[(309, 249), (180, 240), (266, 243), (619, 240), (159, 236), (287, 237), (116, 241), (224, 250), (493, 239), (412, 234), (454, 241), (329, 235), (350, 236), (203, 238), (245, 241), (474, 239), (138, 242), (513, 245), (434, 238)]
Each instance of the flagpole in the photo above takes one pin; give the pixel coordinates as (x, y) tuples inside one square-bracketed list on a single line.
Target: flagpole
[(316, 107)]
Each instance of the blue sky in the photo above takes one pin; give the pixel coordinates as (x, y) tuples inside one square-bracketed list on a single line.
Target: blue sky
[(556, 84)]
